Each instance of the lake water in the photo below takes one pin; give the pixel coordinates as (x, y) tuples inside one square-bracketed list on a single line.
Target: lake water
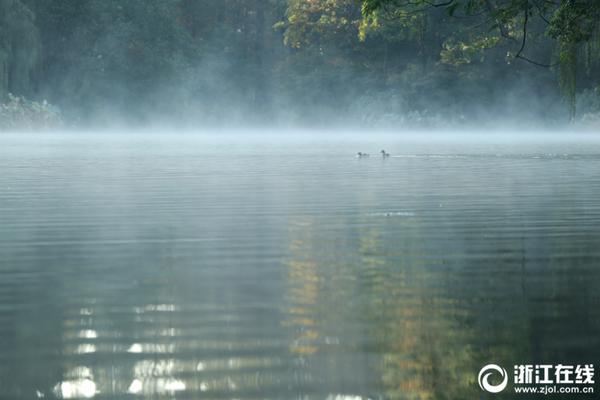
[(241, 267)]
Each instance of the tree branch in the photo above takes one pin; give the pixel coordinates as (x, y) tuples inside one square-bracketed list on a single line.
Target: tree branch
[(520, 52)]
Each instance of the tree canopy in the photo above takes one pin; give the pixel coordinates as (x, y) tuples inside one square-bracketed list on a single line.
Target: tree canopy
[(571, 24), (388, 62)]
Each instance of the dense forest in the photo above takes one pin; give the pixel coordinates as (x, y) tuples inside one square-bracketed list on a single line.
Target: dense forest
[(382, 63)]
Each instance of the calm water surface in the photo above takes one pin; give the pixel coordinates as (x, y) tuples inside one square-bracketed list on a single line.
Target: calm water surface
[(228, 268)]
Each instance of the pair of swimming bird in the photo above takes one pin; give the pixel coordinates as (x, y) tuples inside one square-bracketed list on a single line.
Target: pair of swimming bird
[(363, 155)]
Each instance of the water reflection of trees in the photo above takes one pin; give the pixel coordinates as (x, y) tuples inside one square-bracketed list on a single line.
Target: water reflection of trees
[(403, 306), (434, 299)]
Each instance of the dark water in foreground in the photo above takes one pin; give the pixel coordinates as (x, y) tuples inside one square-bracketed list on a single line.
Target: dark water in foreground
[(178, 267)]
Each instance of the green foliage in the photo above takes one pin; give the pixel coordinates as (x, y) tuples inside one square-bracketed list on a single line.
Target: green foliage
[(321, 22), (567, 67), (19, 47), (571, 24), (119, 50), (207, 61), (574, 21), (17, 113), (460, 53)]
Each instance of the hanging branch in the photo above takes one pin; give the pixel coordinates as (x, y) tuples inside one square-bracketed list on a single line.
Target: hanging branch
[(523, 42)]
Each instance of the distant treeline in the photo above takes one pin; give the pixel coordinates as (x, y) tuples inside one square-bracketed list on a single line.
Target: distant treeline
[(290, 62)]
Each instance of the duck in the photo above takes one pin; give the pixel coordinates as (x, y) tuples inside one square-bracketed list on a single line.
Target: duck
[(384, 154), (361, 155)]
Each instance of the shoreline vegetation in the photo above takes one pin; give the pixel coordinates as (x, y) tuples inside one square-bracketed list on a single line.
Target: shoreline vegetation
[(292, 63), (18, 113)]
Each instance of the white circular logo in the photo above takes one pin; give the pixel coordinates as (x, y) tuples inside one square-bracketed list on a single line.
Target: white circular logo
[(484, 375)]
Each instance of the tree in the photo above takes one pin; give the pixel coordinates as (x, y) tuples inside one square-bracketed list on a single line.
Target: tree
[(570, 23), (19, 47)]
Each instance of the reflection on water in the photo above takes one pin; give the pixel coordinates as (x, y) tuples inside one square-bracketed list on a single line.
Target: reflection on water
[(193, 268), (80, 385)]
